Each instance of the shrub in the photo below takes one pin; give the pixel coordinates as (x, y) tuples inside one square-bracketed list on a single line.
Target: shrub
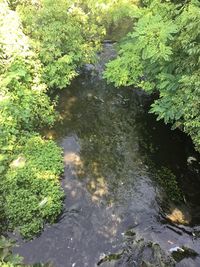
[(162, 53), (32, 190)]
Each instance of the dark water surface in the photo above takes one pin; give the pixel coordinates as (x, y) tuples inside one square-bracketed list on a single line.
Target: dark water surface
[(117, 159)]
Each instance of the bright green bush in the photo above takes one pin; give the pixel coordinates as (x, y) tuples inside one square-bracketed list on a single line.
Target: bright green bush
[(30, 191), (67, 34), (22, 108), (7, 259), (24, 105), (63, 36), (162, 53), (31, 186)]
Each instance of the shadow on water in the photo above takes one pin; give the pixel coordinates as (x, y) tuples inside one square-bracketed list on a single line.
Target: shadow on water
[(130, 182)]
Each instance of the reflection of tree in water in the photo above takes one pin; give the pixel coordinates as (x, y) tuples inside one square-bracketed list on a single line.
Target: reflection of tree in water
[(109, 139), (166, 152), (117, 146), (111, 125), (119, 141)]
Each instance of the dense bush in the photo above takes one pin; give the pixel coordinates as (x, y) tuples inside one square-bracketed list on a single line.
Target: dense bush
[(24, 106), (31, 186), (67, 34), (63, 36), (29, 167), (162, 53)]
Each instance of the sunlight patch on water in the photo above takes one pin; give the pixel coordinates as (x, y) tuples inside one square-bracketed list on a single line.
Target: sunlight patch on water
[(72, 158), (178, 216), (111, 229)]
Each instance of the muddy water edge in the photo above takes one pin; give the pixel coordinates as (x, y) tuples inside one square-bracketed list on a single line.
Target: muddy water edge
[(132, 184)]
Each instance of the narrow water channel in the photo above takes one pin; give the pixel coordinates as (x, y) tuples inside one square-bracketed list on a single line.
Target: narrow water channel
[(121, 168)]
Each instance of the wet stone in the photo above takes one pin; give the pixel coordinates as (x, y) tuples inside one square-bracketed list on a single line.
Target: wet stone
[(138, 252)]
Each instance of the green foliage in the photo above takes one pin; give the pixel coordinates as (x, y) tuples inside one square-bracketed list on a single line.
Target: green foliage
[(63, 36), (30, 167), (162, 53), (8, 259), (113, 11), (24, 105), (67, 34), (31, 186), (115, 15)]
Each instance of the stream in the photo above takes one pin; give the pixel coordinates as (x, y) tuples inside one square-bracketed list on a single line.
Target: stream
[(130, 182)]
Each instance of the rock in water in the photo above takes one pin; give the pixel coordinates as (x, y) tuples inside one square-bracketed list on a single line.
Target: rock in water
[(138, 253)]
